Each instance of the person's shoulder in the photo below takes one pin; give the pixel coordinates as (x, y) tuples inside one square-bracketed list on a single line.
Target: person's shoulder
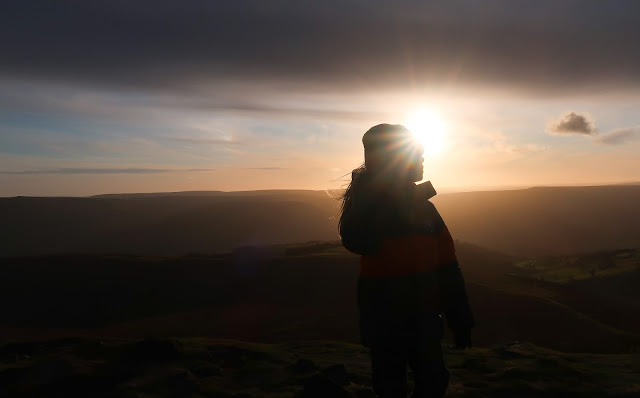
[(434, 214), (431, 207)]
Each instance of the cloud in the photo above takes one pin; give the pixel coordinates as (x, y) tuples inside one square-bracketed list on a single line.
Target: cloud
[(112, 106), (200, 141), (573, 123), (503, 151), (619, 136), (101, 171)]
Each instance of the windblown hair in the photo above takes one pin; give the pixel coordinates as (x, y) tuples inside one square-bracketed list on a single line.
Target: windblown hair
[(358, 182)]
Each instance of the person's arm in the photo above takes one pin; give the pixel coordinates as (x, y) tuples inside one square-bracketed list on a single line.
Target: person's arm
[(453, 294)]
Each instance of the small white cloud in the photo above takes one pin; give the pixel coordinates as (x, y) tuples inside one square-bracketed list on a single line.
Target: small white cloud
[(573, 123)]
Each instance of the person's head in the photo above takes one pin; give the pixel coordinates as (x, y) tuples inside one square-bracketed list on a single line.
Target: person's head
[(393, 160), (392, 154)]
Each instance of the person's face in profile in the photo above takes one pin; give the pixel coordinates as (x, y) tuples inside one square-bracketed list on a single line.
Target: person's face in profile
[(398, 161), (415, 158), (405, 164)]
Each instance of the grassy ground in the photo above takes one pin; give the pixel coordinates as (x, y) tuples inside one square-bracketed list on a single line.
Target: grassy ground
[(566, 269), (299, 291), (229, 368)]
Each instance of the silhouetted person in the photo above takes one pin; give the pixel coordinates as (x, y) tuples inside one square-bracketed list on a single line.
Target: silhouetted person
[(409, 273)]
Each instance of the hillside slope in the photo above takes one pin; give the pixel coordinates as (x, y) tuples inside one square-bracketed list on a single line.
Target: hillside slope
[(270, 294), (527, 222), (546, 220)]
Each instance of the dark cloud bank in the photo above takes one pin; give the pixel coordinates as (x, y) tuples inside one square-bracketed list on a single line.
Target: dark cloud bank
[(547, 47)]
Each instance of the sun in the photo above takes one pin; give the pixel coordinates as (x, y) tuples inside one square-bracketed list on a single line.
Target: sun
[(428, 128)]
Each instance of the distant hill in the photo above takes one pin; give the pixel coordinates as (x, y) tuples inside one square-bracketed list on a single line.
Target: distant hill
[(264, 192), (158, 194), (164, 225), (525, 222), (546, 220)]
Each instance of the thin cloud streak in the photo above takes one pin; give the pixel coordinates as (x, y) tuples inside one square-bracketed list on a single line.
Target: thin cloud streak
[(102, 171), (140, 108), (213, 141), (620, 136)]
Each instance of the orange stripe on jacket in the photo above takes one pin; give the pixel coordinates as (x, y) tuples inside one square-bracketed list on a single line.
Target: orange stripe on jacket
[(446, 248), (409, 254)]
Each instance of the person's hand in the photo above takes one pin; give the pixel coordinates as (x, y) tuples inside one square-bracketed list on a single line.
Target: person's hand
[(462, 338)]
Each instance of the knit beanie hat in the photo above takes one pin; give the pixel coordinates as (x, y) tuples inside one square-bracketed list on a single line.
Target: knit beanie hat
[(385, 141)]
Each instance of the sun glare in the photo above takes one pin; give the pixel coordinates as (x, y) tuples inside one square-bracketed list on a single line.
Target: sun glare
[(428, 128)]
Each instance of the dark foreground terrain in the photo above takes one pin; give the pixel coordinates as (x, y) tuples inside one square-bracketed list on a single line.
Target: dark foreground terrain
[(228, 368), (281, 321), (304, 292)]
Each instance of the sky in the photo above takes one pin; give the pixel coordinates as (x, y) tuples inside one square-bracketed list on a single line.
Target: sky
[(154, 96)]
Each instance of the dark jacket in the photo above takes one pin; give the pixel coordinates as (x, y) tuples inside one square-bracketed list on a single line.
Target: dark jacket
[(408, 268)]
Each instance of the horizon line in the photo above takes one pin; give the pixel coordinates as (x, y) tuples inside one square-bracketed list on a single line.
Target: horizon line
[(445, 190)]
